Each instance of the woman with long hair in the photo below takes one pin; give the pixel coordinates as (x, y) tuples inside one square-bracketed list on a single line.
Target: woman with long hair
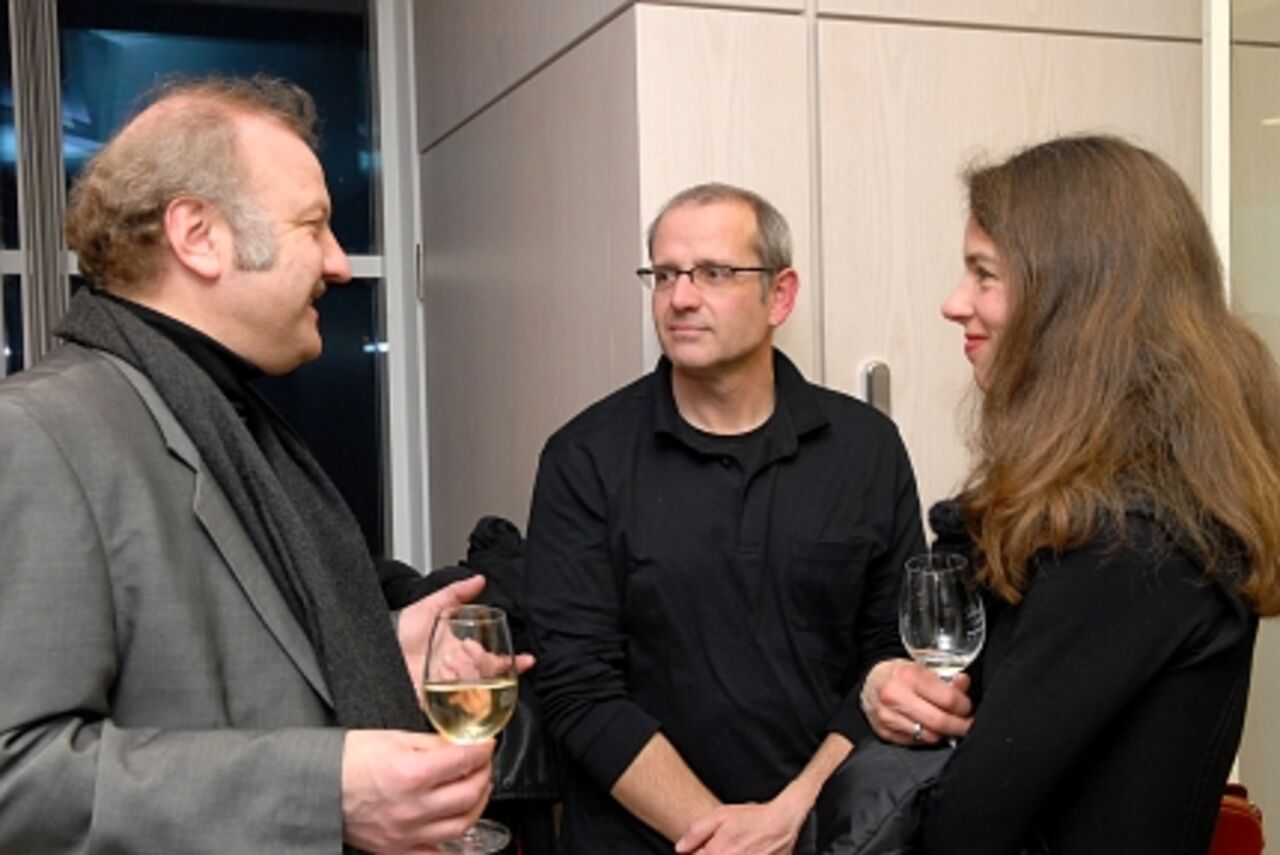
[(1122, 513)]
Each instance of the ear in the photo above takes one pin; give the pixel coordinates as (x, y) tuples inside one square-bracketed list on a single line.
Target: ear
[(197, 235), (782, 295)]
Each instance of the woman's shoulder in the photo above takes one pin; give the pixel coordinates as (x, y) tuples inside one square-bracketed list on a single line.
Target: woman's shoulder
[(1139, 544), (1138, 572), (1134, 555)]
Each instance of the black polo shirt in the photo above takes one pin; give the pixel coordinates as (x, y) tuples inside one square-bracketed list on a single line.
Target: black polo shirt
[(732, 593)]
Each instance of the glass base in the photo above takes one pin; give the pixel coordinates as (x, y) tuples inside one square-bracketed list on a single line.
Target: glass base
[(483, 838)]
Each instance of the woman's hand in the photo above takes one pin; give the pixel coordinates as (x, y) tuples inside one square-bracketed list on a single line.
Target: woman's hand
[(907, 703)]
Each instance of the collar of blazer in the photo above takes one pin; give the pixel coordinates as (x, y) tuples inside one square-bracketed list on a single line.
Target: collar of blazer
[(216, 516)]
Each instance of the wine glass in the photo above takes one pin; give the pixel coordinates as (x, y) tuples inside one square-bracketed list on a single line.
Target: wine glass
[(469, 693), (940, 613)]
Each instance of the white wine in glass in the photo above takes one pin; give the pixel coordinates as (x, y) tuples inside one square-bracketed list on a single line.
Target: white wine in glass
[(469, 693), (940, 613), (471, 711)]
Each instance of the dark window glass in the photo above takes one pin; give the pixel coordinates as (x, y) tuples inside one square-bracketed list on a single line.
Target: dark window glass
[(12, 325), (112, 53), (334, 403), (8, 144)]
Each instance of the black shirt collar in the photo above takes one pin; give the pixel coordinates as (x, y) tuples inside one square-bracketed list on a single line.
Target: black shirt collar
[(228, 371), (796, 409)]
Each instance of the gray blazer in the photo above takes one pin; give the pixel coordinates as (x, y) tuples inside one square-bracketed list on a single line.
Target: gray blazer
[(158, 695)]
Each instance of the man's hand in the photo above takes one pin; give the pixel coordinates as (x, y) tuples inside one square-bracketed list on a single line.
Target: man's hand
[(772, 827), (899, 694), (413, 628), (746, 829), (416, 621), (406, 792)]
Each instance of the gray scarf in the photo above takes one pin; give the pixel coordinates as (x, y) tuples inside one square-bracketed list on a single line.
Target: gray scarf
[(303, 530)]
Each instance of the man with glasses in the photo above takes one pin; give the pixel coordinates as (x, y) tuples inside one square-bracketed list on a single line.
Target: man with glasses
[(713, 560)]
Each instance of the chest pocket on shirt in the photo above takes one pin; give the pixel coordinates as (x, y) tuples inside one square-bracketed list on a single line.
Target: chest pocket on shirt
[(824, 584)]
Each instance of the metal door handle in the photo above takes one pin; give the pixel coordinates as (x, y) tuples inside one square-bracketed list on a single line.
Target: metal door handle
[(875, 386)]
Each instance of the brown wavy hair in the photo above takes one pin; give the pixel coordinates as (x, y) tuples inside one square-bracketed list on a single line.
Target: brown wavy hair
[(1122, 380), (184, 144)]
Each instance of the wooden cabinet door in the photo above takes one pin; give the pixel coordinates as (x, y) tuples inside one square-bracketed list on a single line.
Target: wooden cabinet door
[(903, 107)]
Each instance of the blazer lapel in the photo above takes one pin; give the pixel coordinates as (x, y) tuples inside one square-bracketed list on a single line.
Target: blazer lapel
[(215, 514)]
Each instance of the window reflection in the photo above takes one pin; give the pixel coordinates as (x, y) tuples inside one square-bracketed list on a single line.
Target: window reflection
[(333, 402), (114, 52), (8, 145), (13, 345)]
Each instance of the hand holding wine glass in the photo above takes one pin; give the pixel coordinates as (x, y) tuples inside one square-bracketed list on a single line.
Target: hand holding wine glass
[(940, 614), (470, 691)]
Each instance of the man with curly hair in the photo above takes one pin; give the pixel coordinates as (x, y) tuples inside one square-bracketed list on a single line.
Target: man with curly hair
[(198, 654)]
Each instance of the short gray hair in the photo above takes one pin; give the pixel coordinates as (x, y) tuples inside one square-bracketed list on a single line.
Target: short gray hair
[(772, 240)]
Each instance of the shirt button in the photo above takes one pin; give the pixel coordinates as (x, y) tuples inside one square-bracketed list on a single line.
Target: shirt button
[(726, 462)]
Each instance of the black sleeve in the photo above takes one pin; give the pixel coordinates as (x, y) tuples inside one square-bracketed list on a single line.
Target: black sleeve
[(1096, 625), (574, 609), (877, 625)]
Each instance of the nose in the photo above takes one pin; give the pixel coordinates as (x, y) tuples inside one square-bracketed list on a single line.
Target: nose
[(958, 306), (684, 293), (336, 266)]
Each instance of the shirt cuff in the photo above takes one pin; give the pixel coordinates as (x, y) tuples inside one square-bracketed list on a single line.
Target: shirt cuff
[(609, 740), (849, 721)]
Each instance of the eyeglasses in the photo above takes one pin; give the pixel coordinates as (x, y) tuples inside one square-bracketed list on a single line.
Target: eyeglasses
[(705, 276)]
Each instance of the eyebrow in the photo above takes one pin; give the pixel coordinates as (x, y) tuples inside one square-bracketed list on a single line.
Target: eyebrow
[(317, 208), (980, 258), (702, 262)]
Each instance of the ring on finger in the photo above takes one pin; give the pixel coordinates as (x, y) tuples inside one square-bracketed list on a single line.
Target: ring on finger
[(917, 733)]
